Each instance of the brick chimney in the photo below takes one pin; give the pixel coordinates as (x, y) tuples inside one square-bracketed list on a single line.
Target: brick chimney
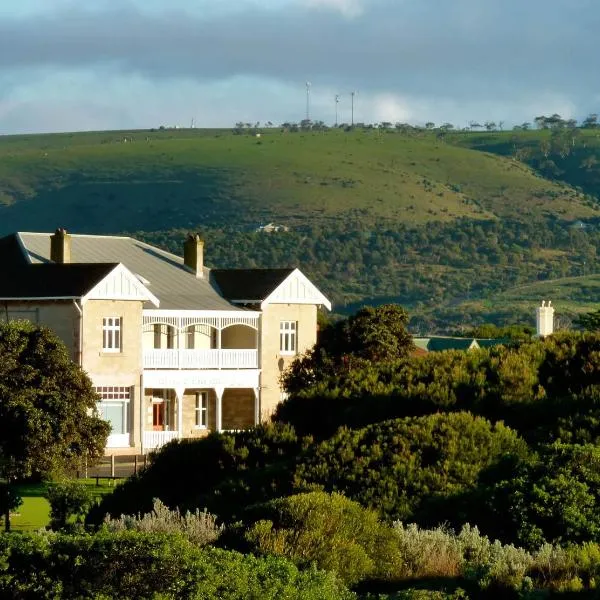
[(193, 254), (60, 247)]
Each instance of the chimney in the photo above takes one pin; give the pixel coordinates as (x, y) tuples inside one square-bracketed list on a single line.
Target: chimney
[(193, 254), (544, 319), (60, 247)]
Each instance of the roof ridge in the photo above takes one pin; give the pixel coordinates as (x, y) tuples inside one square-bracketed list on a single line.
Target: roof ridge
[(79, 235)]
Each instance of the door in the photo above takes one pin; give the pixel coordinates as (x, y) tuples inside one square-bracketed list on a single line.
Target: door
[(158, 416)]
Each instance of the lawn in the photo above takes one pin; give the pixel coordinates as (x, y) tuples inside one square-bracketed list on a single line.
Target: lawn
[(34, 513)]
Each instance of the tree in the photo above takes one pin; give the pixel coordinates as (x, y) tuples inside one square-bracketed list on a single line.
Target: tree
[(373, 334), (589, 321), (591, 121), (47, 406)]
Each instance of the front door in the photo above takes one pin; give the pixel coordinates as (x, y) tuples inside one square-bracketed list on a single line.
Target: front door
[(158, 416)]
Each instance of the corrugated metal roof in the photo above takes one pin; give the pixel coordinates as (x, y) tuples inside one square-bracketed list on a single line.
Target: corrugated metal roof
[(168, 279)]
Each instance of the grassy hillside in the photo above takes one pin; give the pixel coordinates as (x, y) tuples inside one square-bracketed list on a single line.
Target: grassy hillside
[(442, 225), (115, 181)]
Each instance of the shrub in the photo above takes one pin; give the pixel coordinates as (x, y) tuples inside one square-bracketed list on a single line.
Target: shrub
[(234, 470), (553, 497), (132, 565), (200, 528), (330, 531), (69, 502), (396, 466)]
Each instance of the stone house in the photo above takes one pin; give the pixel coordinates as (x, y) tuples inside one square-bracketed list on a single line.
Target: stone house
[(174, 349)]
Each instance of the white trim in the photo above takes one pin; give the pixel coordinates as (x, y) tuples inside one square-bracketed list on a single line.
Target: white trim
[(225, 378), (153, 312), (296, 288), (125, 286)]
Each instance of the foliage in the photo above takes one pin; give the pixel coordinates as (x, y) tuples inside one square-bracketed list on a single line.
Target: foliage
[(236, 470), (396, 467), (546, 390), (132, 565), (10, 500), (589, 321), (373, 334), (553, 497), (47, 405), (69, 503), (330, 531), (490, 331), (198, 527)]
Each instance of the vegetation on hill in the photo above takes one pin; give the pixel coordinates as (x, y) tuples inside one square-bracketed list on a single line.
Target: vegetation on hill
[(441, 222)]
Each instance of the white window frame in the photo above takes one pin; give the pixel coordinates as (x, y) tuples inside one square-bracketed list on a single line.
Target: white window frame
[(201, 410), (112, 334), (288, 337), (116, 395)]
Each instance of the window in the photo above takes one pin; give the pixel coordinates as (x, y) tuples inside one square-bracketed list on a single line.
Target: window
[(114, 407), (287, 337), (111, 334), (202, 410)]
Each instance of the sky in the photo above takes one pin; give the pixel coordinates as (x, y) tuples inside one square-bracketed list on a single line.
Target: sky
[(71, 65)]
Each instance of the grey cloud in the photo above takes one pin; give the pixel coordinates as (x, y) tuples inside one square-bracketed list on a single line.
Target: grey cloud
[(460, 48)]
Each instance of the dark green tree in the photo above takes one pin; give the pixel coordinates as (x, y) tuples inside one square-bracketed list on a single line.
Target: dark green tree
[(589, 321), (47, 406), (374, 334)]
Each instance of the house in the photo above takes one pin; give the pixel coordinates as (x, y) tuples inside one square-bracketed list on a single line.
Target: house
[(440, 343), (173, 349)]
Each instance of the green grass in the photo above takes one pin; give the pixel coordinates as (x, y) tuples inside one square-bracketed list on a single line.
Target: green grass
[(180, 178), (34, 513)]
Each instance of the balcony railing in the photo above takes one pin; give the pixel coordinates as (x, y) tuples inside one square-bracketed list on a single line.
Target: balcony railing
[(156, 439), (200, 359)]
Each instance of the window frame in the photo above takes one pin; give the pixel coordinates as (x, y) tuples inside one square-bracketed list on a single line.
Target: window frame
[(109, 329), (112, 395), (201, 411), (288, 338)]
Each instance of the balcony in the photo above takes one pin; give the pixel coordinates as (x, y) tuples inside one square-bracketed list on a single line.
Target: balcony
[(201, 359), (156, 439)]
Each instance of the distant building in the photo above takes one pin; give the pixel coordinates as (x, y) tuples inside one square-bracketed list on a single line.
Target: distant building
[(271, 227), (440, 343)]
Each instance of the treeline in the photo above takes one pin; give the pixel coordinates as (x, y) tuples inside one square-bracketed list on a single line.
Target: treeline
[(417, 266)]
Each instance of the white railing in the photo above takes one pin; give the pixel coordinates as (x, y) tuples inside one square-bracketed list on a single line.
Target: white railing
[(200, 359), (156, 439)]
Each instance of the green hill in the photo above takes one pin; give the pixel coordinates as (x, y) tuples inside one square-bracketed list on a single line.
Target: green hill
[(374, 216)]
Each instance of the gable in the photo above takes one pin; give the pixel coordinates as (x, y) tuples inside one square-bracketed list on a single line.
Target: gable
[(121, 284), (296, 289)]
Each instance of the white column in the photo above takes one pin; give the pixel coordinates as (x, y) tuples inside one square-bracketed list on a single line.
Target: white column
[(219, 347), (179, 392), (256, 405), (219, 408)]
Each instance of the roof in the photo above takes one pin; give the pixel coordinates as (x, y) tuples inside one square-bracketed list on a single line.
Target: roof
[(11, 251), (163, 273), (440, 343), (248, 284), (52, 280)]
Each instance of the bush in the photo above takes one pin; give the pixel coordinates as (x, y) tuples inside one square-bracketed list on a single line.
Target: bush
[(234, 470), (69, 503), (200, 528), (553, 497), (330, 531), (132, 565), (397, 466)]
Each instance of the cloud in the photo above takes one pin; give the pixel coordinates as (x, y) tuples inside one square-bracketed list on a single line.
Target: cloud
[(409, 59), (349, 8)]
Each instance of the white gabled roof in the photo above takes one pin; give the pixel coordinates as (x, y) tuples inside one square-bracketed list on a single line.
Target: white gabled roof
[(121, 284), (296, 288)]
